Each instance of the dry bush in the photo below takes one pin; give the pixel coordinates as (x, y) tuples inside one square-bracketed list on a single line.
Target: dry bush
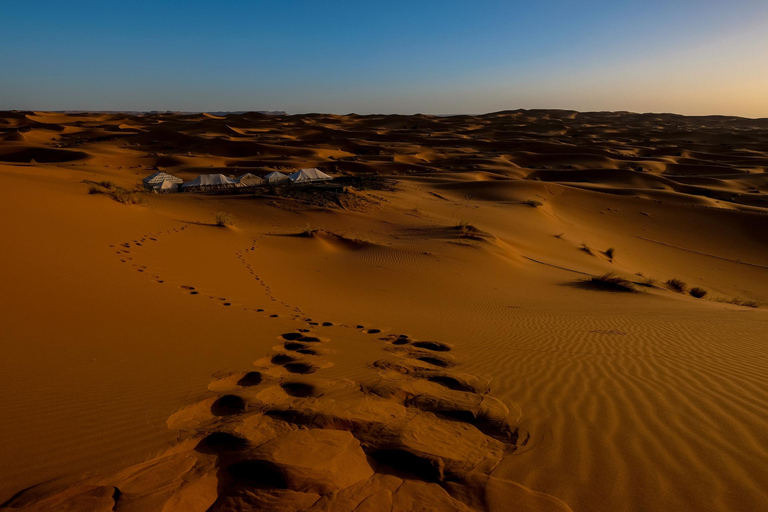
[(107, 184), (741, 302), (467, 230), (677, 285), (223, 218), (612, 282), (610, 252), (309, 231), (125, 196), (93, 189), (698, 292), (533, 203), (586, 249)]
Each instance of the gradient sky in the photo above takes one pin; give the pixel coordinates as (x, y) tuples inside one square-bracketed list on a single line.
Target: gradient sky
[(683, 56)]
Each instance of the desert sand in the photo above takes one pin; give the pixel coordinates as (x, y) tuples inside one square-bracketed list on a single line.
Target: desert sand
[(432, 341)]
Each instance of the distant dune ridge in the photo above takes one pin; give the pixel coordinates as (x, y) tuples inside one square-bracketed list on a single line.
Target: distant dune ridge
[(523, 310)]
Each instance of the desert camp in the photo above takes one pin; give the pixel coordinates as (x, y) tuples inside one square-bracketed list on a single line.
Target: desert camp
[(502, 256), (163, 182)]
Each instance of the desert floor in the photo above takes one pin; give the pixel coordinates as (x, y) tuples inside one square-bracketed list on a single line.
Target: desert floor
[(430, 339)]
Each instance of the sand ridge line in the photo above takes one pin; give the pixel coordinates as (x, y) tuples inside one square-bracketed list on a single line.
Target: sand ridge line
[(556, 266), (756, 265)]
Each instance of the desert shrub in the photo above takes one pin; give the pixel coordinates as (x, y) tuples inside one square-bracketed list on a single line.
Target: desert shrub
[(93, 189), (610, 252), (467, 230), (698, 292), (223, 218), (647, 281), (125, 196), (560, 236), (107, 184), (533, 203), (677, 285), (586, 249), (741, 302), (308, 231), (613, 282)]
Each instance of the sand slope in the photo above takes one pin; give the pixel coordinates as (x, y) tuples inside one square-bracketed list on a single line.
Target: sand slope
[(430, 344)]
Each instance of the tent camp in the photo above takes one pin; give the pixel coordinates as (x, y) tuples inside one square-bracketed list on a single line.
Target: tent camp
[(276, 177), (210, 182), (249, 180), (309, 175), (157, 181)]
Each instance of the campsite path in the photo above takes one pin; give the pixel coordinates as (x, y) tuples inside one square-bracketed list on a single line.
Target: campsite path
[(130, 253), (319, 424)]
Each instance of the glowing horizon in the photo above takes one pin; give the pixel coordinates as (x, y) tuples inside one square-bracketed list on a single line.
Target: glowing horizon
[(684, 57)]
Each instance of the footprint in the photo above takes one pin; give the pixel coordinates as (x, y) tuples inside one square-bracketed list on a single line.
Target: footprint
[(432, 345), (220, 442), (250, 379), (300, 368), (282, 359), (228, 405), (299, 389), (443, 363)]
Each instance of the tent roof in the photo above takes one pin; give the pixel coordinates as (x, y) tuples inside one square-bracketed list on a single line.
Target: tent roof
[(312, 174), (209, 180), (275, 174), (161, 176)]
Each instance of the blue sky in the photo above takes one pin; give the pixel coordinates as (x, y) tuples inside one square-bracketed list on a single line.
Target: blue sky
[(685, 56)]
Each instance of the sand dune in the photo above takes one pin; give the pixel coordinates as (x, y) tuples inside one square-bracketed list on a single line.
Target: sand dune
[(428, 343)]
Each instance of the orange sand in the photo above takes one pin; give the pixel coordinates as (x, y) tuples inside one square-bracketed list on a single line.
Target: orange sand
[(154, 361)]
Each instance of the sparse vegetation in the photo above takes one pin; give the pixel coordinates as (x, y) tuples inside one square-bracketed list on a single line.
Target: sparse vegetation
[(647, 281), (467, 230), (741, 302), (533, 203), (308, 231), (224, 219), (119, 194), (610, 252), (698, 292), (560, 236), (586, 249), (125, 196), (612, 282), (677, 285)]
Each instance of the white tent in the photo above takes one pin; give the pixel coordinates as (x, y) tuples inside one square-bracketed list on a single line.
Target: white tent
[(156, 180), (309, 175), (210, 181), (167, 187), (276, 177), (249, 180)]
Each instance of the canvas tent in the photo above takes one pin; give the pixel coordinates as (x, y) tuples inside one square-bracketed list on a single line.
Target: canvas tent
[(276, 177), (157, 181), (167, 187), (209, 182), (309, 175), (249, 180)]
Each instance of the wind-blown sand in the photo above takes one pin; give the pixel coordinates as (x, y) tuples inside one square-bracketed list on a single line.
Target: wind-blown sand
[(432, 344)]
